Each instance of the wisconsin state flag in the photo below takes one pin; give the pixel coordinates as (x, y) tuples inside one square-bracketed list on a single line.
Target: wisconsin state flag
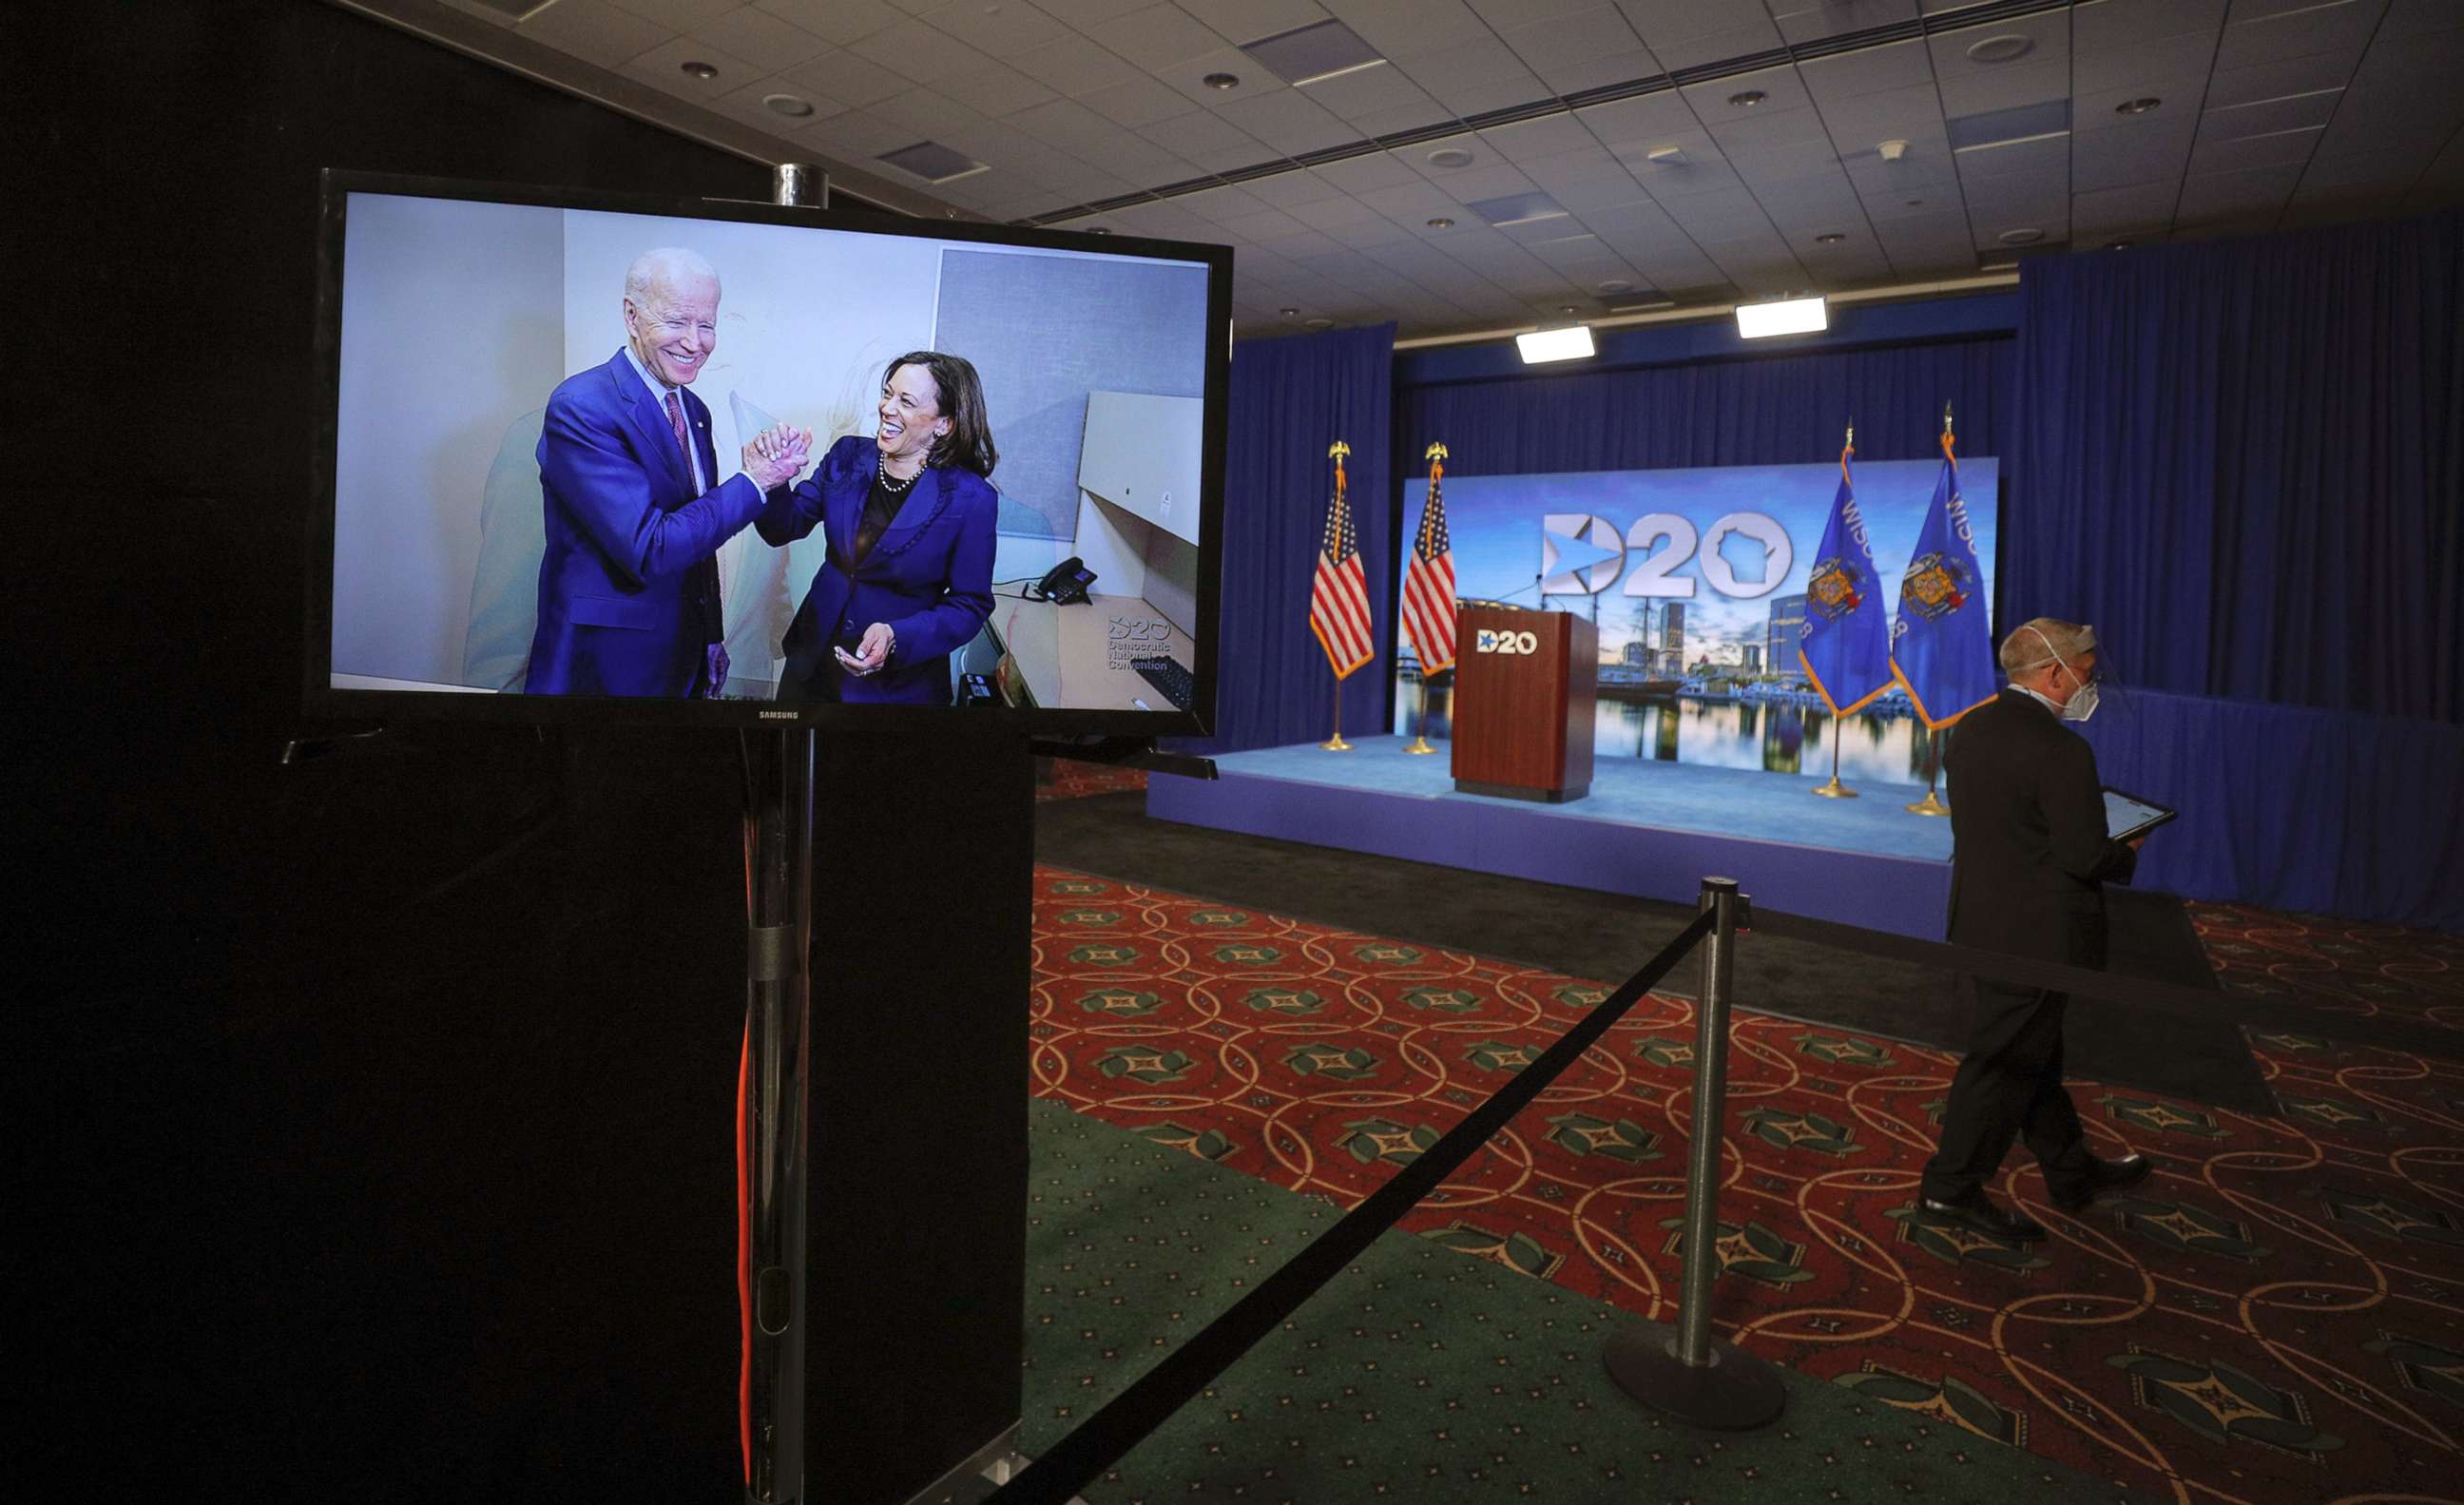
[(1941, 647), (1846, 646)]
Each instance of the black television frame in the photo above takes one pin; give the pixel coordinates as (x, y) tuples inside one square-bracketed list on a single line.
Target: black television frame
[(322, 700)]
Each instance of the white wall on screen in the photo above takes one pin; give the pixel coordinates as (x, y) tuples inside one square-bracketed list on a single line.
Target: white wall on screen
[(449, 333)]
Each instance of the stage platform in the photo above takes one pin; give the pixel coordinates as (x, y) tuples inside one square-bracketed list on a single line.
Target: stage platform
[(1649, 829)]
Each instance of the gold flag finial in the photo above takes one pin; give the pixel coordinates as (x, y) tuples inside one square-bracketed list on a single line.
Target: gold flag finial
[(1435, 452), (1946, 419), (1338, 451), (1850, 440)]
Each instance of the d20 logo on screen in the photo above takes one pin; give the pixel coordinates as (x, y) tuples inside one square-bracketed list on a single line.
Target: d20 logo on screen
[(1489, 640), (1580, 555)]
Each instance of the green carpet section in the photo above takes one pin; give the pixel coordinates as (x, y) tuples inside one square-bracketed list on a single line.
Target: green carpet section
[(1419, 1374)]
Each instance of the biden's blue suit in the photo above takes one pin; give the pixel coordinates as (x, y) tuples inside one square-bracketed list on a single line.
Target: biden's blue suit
[(930, 576), (628, 588)]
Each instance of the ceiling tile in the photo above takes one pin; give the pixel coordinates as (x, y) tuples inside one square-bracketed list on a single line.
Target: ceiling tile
[(1403, 29), (2276, 149), (2048, 36), (2134, 23), (856, 136), (1532, 141), (848, 78), (1684, 33), (994, 89), (2235, 195), (750, 33), (2339, 26), (2110, 212), (1802, 21), (1290, 190), (2230, 87), (1003, 31), (1245, 21), (1160, 35), (1893, 114), (1643, 120), (1134, 102), (1356, 96), (1417, 201), (917, 50), (1403, 118), (1201, 131), (2094, 114), (1780, 88), (2155, 67), (745, 104), (598, 33), (1363, 173), (1088, 12), (1072, 65), (1289, 122), (2270, 115), (678, 15), (1759, 131), (2039, 157), (2150, 152), (835, 21), (1190, 77), (662, 68), (1599, 31), (2012, 86), (1868, 69), (1796, 163)]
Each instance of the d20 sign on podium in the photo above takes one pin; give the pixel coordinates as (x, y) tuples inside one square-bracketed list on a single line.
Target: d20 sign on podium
[(1524, 686)]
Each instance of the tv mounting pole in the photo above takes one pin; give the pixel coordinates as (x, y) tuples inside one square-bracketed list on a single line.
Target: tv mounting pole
[(773, 1090)]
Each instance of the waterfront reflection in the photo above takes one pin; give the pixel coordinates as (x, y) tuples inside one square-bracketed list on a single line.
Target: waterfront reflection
[(1725, 733)]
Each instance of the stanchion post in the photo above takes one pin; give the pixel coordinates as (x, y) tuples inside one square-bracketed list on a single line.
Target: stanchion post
[(1682, 1370)]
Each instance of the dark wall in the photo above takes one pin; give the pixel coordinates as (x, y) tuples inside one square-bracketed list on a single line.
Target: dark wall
[(376, 1111)]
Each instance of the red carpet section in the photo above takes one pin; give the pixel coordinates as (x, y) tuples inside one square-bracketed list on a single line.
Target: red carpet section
[(2277, 1317), (2340, 965)]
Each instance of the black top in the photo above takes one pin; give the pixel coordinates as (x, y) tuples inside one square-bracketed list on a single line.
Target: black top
[(2030, 856), (880, 510)]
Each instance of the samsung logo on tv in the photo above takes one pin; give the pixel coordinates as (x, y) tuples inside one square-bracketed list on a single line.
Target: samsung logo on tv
[(776, 716)]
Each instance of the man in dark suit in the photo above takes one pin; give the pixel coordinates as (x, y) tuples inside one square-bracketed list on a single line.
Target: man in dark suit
[(635, 511), (2030, 860)]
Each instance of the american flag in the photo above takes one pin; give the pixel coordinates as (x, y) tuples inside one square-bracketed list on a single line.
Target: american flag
[(1339, 591), (1429, 580)]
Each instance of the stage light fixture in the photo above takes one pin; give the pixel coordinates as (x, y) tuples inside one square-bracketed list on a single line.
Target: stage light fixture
[(1790, 316), (1571, 343)]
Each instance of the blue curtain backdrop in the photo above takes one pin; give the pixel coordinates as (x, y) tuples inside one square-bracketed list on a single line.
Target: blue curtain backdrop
[(1290, 399), (2244, 462), (2290, 808), (1761, 410)]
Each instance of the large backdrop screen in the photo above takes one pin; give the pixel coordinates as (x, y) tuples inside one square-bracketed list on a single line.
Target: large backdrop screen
[(1697, 580), (548, 477)]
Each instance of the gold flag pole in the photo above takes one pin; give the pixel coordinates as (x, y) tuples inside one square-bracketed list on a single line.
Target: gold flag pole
[(1931, 804), (1435, 456), (1336, 744), (1835, 790)]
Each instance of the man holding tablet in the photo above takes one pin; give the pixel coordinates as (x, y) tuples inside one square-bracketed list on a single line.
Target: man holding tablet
[(2032, 850)]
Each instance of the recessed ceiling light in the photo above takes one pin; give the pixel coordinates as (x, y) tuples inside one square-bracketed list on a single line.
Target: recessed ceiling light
[(1289, 313), (1615, 284), (698, 69), (1566, 308), (1748, 98), (1099, 230), (1450, 157), (1829, 237), (2001, 49), (1222, 80), (1317, 323), (2116, 245), (2137, 106), (2025, 235), (788, 104), (1442, 223)]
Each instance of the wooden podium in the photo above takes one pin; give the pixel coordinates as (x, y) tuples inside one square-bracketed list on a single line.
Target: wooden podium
[(1525, 683)]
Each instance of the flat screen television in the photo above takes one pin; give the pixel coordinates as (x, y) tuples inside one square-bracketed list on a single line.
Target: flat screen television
[(608, 457)]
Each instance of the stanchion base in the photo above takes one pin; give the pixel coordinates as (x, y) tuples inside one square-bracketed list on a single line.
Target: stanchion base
[(1336, 744), (1419, 745), (1835, 790), (1735, 1392), (1928, 805)]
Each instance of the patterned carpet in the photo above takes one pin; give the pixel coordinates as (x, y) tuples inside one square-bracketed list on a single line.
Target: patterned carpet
[(2340, 965), (2278, 1316)]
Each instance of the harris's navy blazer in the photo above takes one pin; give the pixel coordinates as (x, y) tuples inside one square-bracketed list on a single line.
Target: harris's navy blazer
[(930, 575), (628, 586)]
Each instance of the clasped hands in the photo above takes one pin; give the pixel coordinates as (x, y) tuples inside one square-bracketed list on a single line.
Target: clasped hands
[(778, 454)]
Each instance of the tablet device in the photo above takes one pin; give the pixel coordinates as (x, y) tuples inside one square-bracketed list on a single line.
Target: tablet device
[(2128, 815)]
